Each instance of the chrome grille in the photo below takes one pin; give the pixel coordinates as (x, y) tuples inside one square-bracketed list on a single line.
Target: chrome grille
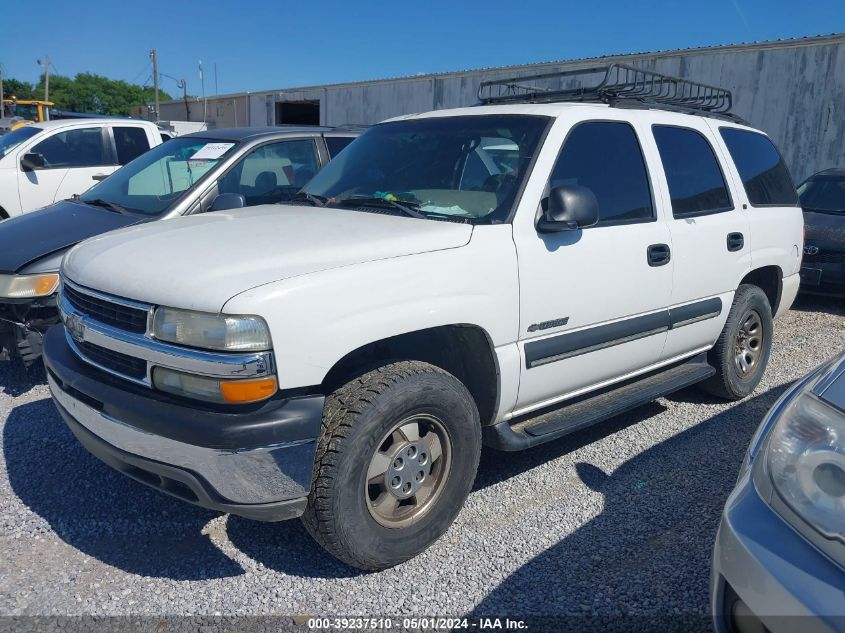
[(111, 313), (114, 361)]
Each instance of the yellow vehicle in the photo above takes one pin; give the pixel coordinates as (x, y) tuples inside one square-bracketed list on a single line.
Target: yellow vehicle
[(19, 112)]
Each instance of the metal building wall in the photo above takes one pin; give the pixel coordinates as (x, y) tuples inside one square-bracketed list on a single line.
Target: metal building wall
[(794, 91)]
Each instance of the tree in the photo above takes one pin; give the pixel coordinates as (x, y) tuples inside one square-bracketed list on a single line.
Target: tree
[(88, 93), (19, 89)]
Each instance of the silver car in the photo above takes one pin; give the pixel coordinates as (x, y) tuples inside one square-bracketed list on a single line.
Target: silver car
[(779, 559)]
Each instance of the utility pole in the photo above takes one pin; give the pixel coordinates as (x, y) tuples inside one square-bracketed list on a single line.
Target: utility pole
[(204, 100), (154, 57), (46, 66), (2, 96)]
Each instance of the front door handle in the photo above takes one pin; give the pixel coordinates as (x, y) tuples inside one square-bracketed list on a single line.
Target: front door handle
[(659, 254), (735, 242), (99, 177)]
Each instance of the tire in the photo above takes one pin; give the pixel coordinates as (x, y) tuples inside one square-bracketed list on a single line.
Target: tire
[(352, 511), (749, 320)]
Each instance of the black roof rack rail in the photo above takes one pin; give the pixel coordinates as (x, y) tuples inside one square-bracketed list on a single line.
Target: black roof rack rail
[(617, 85)]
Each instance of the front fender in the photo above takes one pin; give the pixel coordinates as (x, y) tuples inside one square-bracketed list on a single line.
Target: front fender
[(316, 319)]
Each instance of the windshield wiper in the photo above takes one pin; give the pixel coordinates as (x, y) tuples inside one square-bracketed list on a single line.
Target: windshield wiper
[(304, 196), (111, 206), (402, 205)]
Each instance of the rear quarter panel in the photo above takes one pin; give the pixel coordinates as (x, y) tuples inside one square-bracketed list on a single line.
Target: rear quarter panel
[(776, 233)]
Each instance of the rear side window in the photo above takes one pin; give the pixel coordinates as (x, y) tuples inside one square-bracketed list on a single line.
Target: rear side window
[(130, 142), (764, 174), (606, 157), (696, 183), (335, 144)]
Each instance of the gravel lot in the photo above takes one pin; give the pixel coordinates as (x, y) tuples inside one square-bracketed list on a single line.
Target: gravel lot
[(619, 519)]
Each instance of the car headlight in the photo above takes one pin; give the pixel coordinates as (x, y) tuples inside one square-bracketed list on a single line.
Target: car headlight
[(28, 286), (205, 330), (806, 462)]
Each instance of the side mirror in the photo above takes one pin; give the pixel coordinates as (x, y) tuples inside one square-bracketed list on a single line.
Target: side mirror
[(569, 208), (228, 201), (32, 161)]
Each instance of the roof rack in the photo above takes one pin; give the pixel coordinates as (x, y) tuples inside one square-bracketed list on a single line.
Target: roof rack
[(617, 85)]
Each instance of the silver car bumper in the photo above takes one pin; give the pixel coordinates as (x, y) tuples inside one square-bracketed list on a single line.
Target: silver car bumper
[(765, 573)]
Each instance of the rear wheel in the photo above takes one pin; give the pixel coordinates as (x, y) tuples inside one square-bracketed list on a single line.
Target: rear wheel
[(741, 353), (395, 461)]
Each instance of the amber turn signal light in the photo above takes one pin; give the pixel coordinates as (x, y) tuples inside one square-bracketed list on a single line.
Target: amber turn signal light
[(242, 391)]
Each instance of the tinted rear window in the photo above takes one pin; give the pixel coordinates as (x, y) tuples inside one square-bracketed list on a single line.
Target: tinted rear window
[(763, 172), (695, 179)]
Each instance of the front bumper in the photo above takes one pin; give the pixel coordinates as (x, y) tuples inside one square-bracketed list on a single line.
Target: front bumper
[(764, 572), (823, 278), (255, 463)]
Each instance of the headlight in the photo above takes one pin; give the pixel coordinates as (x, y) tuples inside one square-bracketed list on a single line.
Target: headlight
[(211, 331), (214, 389), (806, 461), (28, 286)]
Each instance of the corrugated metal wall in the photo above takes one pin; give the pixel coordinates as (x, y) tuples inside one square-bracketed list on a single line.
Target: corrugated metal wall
[(794, 91)]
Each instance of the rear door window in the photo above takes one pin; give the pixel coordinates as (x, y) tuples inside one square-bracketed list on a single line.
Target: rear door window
[(335, 144), (130, 143), (764, 174), (605, 156), (696, 183)]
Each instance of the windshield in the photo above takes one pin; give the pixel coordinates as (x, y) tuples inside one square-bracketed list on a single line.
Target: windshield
[(25, 110), (823, 194), (467, 167), (151, 183), (11, 140)]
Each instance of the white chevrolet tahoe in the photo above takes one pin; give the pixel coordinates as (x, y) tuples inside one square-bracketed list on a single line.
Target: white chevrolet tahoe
[(503, 274)]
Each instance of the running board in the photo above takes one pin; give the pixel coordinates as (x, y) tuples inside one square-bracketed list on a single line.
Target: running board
[(584, 411)]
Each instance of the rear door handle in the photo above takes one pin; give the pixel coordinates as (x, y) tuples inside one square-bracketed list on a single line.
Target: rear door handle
[(735, 242), (659, 254), (99, 177)]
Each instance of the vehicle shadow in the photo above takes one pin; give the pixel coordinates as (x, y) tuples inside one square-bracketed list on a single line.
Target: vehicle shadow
[(819, 303), (287, 547), (100, 512), (16, 380), (644, 562)]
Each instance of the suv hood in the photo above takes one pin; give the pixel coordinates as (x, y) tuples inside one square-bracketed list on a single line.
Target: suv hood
[(826, 230), (201, 262), (31, 236)]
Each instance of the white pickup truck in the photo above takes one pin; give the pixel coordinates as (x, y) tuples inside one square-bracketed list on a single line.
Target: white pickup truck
[(504, 274), (46, 162)]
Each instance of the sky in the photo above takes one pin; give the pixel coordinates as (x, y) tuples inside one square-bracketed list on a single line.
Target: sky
[(260, 45)]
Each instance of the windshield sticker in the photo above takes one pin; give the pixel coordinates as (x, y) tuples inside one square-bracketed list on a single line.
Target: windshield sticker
[(211, 151)]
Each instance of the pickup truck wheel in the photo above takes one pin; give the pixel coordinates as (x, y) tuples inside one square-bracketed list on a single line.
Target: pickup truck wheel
[(395, 461), (742, 351)]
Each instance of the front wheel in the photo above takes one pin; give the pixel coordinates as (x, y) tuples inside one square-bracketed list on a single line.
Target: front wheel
[(741, 353), (396, 459)]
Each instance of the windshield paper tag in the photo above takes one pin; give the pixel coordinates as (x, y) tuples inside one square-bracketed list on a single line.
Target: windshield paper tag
[(211, 151)]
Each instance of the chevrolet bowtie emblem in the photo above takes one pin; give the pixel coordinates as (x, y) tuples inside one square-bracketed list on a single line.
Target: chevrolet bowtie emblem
[(76, 327)]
